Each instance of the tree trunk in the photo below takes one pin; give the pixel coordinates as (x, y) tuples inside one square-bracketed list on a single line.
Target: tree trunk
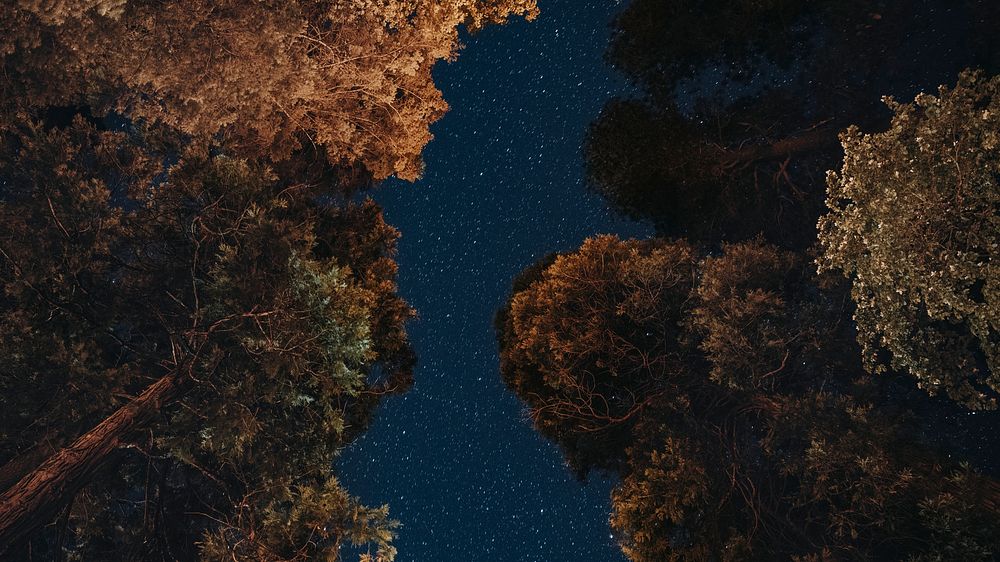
[(38, 497), (26, 461)]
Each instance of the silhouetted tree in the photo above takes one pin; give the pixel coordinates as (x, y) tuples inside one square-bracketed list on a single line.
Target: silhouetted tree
[(740, 103)]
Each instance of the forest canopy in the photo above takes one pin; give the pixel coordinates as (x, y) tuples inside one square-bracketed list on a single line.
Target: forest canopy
[(199, 306), (216, 329), (730, 401), (350, 78), (198, 311), (753, 405)]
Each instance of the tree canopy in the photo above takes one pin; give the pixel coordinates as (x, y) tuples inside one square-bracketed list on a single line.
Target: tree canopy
[(576, 342), (709, 368), (729, 399), (913, 222), (351, 78), (739, 103), (197, 311), (269, 313)]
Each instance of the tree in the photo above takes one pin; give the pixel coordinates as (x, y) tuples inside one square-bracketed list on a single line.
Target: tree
[(913, 223), (590, 342), (352, 79), (205, 338), (740, 103), (739, 425), (196, 317)]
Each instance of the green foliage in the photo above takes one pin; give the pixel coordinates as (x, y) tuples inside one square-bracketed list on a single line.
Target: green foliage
[(220, 272), (913, 222), (242, 270), (306, 515)]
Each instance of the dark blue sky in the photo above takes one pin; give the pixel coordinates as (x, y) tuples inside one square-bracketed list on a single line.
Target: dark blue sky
[(460, 467)]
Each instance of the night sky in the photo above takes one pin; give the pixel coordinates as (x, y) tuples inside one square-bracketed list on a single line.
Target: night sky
[(455, 458)]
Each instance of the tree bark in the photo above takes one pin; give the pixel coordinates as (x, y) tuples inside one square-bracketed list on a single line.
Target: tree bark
[(38, 497), (26, 461)]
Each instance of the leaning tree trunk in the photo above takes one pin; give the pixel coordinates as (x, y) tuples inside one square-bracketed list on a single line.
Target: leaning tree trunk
[(26, 461), (38, 497)]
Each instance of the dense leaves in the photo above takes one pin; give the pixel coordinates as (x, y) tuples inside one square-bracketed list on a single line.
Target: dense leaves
[(740, 102), (726, 393), (914, 223), (588, 344), (352, 77), (722, 383), (274, 305), (197, 313)]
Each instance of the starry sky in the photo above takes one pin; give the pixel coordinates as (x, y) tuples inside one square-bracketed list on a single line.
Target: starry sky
[(455, 458)]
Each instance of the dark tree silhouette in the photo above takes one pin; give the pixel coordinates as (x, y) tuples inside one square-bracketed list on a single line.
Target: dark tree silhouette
[(741, 103), (202, 339)]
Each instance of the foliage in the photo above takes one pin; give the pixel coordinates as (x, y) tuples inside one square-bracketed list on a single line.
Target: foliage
[(275, 304), (913, 222), (575, 343), (747, 326), (739, 103), (657, 507), (353, 78), (743, 429), (213, 241)]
